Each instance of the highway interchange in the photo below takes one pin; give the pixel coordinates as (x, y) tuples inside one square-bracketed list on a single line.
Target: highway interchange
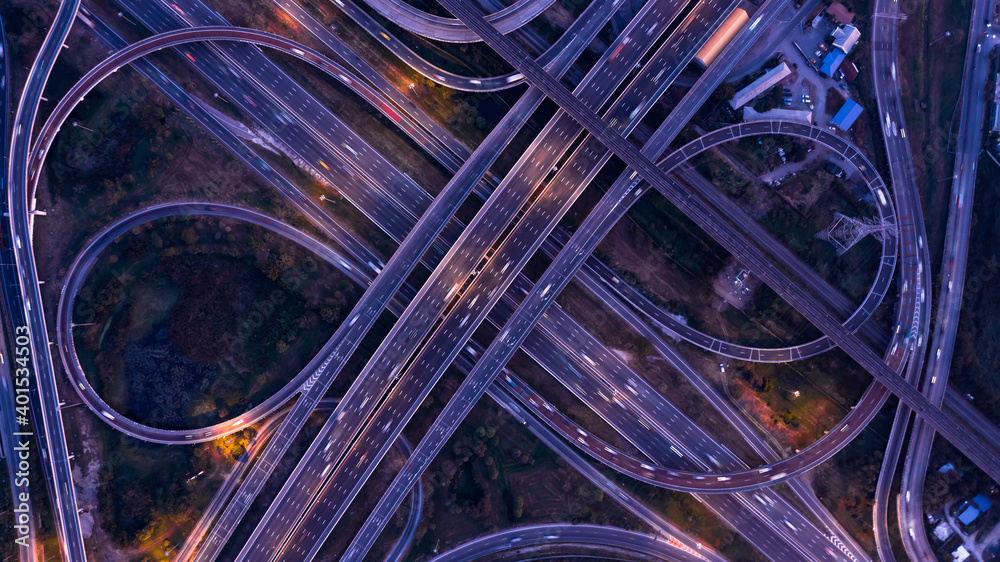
[(476, 274)]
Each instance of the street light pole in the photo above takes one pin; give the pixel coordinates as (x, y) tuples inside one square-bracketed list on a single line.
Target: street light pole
[(946, 34)]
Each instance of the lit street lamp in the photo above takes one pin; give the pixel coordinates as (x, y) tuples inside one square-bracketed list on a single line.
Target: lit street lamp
[(946, 34)]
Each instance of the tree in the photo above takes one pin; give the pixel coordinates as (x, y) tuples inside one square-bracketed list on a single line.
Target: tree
[(189, 236), (790, 419), (768, 384), (643, 347), (798, 153), (725, 92), (330, 311), (769, 100)]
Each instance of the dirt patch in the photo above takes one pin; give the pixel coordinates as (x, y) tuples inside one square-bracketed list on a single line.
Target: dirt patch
[(546, 494), (735, 286)]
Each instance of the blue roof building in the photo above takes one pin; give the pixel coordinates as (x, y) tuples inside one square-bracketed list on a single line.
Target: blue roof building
[(848, 113), (832, 62), (968, 515), (982, 502)]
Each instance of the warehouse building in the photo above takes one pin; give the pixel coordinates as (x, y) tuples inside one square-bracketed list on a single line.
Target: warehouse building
[(760, 85)]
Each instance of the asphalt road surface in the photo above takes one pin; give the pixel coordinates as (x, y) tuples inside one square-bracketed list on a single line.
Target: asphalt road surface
[(21, 293), (984, 455)]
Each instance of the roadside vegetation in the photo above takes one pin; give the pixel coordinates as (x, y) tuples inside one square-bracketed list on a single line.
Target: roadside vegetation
[(828, 386), (667, 257), (846, 483), (929, 72), (468, 116), (147, 502), (195, 321), (492, 474), (977, 344), (640, 355), (8, 548)]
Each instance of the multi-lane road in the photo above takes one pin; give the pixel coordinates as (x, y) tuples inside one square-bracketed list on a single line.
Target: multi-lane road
[(916, 272), (9, 428), (876, 291), (464, 286), (21, 292), (986, 456), (953, 268), (451, 30), (476, 268)]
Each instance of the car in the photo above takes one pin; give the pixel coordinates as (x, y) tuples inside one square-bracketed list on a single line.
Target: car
[(812, 60), (822, 47)]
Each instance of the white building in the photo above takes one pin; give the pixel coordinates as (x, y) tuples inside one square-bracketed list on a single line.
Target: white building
[(760, 85), (845, 37), (942, 531)]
